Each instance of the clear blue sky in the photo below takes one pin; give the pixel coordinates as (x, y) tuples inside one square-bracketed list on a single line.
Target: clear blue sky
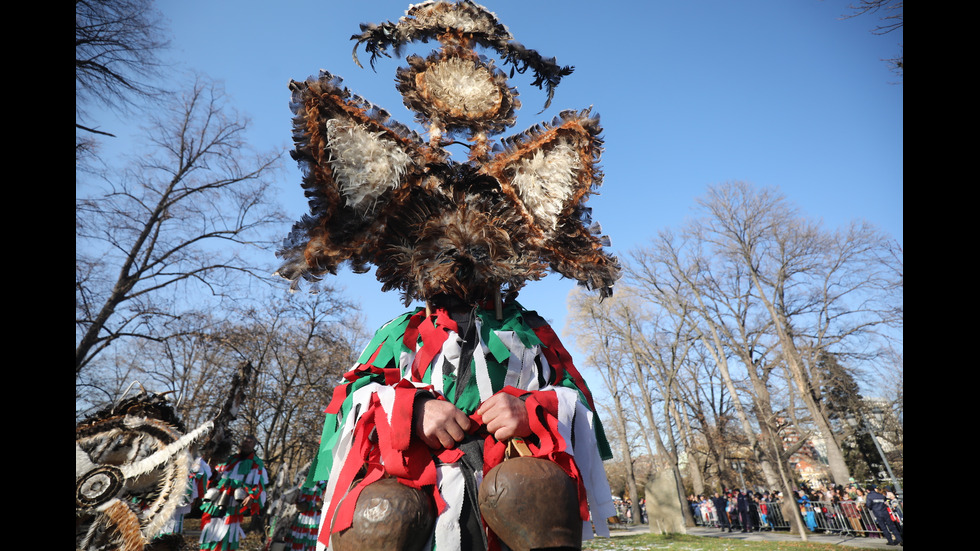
[(691, 93)]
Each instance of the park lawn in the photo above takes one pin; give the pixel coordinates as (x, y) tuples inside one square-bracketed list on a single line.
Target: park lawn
[(679, 542)]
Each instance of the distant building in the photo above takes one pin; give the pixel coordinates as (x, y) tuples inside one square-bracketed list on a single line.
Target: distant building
[(810, 460)]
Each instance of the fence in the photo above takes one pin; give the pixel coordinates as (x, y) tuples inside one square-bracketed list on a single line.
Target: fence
[(844, 517)]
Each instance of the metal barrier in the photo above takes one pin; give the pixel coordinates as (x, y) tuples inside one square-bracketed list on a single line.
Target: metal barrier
[(844, 517), (847, 517)]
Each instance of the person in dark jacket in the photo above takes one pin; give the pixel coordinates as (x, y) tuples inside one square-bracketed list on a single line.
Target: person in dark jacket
[(875, 501), (721, 509), (742, 504)]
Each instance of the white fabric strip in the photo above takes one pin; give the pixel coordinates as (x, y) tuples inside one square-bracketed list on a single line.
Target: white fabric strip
[(405, 363), (515, 364), (452, 483), (567, 402), (450, 352), (438, 380), (529, 370), (387, 400), (545, 367), (480, 358), (593, 475)]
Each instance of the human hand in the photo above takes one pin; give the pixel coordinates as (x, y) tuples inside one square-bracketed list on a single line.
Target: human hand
[(438, 423), (505, 416)]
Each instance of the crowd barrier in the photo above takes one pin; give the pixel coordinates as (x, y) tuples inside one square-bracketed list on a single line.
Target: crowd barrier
[(842, 517)]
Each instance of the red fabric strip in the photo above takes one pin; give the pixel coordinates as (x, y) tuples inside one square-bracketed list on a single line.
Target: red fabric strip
[(360, 455), (339, 395), (433, 336), (401, 415), (412, 330)]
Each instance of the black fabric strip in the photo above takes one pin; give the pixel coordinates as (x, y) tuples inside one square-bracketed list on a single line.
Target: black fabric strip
[(470, 522), (467, 327)]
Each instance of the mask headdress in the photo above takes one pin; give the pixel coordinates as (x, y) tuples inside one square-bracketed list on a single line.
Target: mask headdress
[(381, 195)]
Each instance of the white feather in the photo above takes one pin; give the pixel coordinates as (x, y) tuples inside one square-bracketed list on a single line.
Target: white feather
[(162, 456), (459, 84), (83, 463), (429, 14), (364, 164), (546, 180)]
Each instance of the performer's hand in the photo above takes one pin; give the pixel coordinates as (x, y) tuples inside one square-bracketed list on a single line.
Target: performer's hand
[(505, 416), (438, 423)]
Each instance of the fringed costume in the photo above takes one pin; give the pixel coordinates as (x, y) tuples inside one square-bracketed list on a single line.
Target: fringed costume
[(305, 527), (239, 492), (132, 461), (415, 353), (463, 238)]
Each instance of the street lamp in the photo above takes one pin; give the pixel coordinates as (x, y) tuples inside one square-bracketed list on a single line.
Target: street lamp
[(738, 465), (862, 423)]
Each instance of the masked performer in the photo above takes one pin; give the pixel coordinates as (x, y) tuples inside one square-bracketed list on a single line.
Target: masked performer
[(305, 526), (464, 422), (238, 492)]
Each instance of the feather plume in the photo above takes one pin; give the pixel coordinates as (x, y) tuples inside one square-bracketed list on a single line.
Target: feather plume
[(379, 195), (460, 22), (458, 93)]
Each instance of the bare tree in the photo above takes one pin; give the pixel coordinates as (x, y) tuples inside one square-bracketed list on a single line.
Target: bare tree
[(117, 43), (621, 322), (682, 278), (743, 304), (295, 348), (711, 411), (696, 275), (593, 333), (891, 17), (178, 221), (301, 344), (822, 291)]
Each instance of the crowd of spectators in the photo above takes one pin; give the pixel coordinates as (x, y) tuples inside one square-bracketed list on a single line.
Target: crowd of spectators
[(624, 510), (737, 510), (843, 509)]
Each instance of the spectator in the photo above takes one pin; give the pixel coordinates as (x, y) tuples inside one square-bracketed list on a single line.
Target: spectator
[(742, 503), (763, 509), (721, 507), (806, 510), (877, 504), (851, 511)]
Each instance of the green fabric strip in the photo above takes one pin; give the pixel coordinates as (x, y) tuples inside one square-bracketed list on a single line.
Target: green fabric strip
[(513, 320), (244, 466)]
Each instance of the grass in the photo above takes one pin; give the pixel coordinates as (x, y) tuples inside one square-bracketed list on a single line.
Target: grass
[(680, 542), (640, 542)]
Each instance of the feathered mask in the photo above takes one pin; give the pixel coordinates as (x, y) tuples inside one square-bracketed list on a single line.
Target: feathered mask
[(379, 194)]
